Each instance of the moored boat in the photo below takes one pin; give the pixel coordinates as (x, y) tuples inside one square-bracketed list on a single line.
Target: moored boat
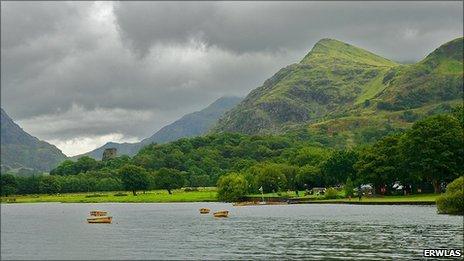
[(99, 219), (204, 210), (98, 213), (222, 213)]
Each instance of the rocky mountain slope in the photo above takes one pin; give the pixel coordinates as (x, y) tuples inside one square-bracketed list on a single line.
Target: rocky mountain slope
[(337, 81), (21, 150)]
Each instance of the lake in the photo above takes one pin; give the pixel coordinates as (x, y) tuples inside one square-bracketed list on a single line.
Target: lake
[(178, 231)]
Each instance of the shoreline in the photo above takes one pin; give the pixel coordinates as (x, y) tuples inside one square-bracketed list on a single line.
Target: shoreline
[(243, 204), (429, 203), (210, 196)]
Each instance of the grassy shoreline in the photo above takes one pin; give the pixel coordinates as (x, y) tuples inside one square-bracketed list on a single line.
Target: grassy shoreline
[(424, 199), (208, 195), (414, 199), (154, 196)]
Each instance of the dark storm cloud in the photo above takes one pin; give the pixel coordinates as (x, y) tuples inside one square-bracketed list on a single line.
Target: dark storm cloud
[(96, 71), (256, 26)]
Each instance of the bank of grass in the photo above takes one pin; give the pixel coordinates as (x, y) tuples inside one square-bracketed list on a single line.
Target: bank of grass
[(206, 195), (401, 199), (416, 198), (154, 196)]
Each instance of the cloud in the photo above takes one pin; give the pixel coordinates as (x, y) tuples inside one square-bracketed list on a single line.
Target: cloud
[(78, 145), (257, 26), (89, 71)]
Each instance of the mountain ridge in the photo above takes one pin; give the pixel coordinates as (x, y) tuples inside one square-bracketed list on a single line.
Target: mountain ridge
[(19, 149), (189, 125), (336, 79), (342, 51)]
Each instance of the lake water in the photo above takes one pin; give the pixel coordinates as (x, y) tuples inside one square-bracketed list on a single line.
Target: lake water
[(178, 231)]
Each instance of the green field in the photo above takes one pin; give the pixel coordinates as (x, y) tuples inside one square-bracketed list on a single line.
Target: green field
[(155, 196)]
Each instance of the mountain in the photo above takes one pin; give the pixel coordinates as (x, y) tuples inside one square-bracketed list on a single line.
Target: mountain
[(21, 150), (438, 77), (194, 124), (190, 125), (339, 82)]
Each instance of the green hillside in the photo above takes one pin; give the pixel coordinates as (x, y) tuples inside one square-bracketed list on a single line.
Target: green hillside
[(339, 81), (439, 77), (20, 150)]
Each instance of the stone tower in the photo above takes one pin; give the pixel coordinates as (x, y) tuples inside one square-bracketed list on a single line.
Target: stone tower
[(109, 153)]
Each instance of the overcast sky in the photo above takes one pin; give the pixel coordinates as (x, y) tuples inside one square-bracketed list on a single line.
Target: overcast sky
[(81, 74)]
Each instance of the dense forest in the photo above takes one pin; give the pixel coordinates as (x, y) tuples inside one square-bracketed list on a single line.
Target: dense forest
[(426, 156)]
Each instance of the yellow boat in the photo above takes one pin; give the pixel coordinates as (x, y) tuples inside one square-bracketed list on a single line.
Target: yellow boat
[(98, 213), (99, 219), (204, 210), (222, 213)]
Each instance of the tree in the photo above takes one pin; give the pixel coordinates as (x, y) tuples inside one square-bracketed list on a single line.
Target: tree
[(380, 164), (291, 176), (232, 187), (434, 149), (458, 113), (310, 156), (169, 179), (339, 166), (8, 184), (108, 184), (65, 168), (28, 185), (199, 181), (310, 176), (349, 188), (269, 176), (84, 164), (452, 201), (134, 178), (49, 185)]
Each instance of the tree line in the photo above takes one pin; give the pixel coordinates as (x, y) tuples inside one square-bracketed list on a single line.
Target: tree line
[(424, 157)]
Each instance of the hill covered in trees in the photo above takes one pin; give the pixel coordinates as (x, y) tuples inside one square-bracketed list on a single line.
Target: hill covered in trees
[(425, 156)]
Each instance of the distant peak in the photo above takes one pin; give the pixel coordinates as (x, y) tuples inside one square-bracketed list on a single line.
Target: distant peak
[(328, 40), (225, 101), (327, 44), (452, 49), (4, 114), (331, 50)]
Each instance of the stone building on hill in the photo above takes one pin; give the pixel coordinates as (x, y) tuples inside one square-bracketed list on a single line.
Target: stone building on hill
[(109, 153)]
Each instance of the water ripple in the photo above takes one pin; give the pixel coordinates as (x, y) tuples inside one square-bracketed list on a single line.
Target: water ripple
[(178, 231)]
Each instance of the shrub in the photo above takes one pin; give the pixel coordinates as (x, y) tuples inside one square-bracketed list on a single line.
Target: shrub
[(381, 105), (119, 194), (367, 102), (232, 187), (349, 188), (410, 116), (331, 193), (452, 201)]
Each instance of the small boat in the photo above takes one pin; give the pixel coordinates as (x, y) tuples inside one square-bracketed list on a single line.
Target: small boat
[(99, 219), (98, 213), (204, 210), (222, 213)]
